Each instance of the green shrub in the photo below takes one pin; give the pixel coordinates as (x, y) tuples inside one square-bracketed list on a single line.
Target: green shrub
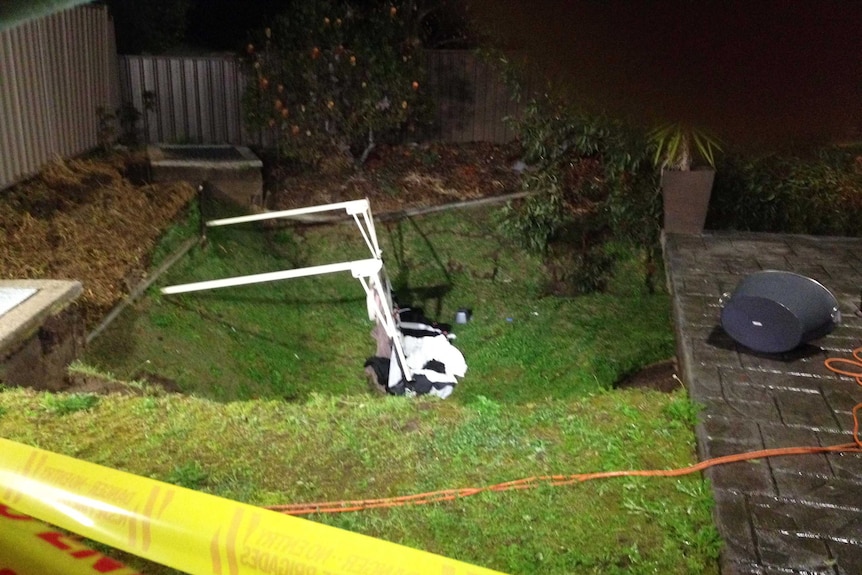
[(591, 182), (818, 194)]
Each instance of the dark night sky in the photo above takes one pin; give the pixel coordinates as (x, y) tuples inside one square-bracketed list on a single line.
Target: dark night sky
[(759, 69), (756, 69)]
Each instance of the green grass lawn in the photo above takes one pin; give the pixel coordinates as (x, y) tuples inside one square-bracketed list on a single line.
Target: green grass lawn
[(276, 409), (311, 335)]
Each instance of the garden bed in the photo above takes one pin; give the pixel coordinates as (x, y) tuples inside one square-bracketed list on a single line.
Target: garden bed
[(396, 178), (86, 219)]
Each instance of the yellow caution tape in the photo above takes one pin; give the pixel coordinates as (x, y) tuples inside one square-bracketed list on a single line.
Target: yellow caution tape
[(191, 531), (30, 547)]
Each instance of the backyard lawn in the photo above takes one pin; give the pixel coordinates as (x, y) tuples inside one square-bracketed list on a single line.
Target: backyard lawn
[(257, 393)]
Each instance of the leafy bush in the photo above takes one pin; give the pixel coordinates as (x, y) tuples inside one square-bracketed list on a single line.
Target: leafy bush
[(591, 182), (127, 116), (818, 194), (330, 79)]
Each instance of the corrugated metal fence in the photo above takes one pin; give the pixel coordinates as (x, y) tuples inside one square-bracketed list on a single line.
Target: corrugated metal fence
[(199, 99), (55, 72), (196, 100)]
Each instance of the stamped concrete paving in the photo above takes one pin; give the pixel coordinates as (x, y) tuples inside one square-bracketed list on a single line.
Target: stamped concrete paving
[(780, 515)]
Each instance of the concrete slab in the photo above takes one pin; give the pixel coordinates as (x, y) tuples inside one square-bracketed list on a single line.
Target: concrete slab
[(41, 334), (10, 297), (233, 170), (789, 514), (47, 297)]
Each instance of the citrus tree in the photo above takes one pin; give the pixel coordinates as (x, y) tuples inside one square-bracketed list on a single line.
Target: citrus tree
[(331, 79)]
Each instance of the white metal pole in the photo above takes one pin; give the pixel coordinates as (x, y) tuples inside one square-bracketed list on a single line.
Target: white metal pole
[(375, 252), (387, 318), (351, 207), (357, 267), (369, 223)]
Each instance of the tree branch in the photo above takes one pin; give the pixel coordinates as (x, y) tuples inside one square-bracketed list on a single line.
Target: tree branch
[(368, 147)]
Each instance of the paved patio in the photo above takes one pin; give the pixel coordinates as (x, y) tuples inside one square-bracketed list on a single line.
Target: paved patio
[(780, 515)]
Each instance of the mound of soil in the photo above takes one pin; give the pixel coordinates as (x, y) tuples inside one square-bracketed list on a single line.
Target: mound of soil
[(661, 376), (84, 219)]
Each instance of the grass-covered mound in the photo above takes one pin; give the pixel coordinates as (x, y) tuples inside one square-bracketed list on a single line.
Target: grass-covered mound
[(328, 448)]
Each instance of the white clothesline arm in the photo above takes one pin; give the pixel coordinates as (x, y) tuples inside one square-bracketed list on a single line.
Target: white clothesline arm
[(369, 272), (352, 207), (359, 268), (368, 234)]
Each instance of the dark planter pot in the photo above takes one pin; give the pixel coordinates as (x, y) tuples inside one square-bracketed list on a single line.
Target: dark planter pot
[(685, 195), (775, 311)]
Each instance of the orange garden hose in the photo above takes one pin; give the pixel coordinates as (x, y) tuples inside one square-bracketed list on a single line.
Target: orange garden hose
[(841, 366)]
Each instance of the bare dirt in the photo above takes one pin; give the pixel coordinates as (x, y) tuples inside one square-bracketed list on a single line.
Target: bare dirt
[(93, 219), (661, 376), (398, 178)]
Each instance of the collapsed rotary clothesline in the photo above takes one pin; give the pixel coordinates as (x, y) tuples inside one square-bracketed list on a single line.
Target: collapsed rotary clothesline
[(404, 365), (433, 365)]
